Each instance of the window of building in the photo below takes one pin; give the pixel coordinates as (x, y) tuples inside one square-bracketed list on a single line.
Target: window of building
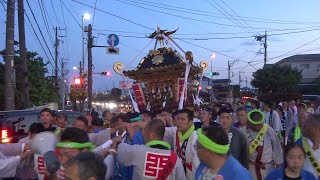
[(318, 65), (305, 66)]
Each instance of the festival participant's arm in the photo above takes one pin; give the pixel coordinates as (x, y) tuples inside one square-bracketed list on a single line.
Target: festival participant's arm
[(14, 149), (129, 127), (109, 162), (9, 164), (108, 144), (101, 137), (195, 158)]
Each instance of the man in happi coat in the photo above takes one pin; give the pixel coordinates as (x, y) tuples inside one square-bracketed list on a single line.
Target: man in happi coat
[(183, 138), (155, 159), (311, 144), (265, 153), (216, 161)]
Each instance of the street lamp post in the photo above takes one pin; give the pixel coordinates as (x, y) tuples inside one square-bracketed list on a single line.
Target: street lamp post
[(85, 16), (213, 56)]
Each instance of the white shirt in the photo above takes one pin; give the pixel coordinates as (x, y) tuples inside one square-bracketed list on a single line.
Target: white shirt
[(275, 119), (307, 164)]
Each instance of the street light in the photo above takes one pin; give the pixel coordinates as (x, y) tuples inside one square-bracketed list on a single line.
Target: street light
[(75, 68), (85, 16), (213, 56)]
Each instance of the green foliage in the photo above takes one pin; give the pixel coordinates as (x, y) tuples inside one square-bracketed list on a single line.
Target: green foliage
[(41, 88), (276, 81)]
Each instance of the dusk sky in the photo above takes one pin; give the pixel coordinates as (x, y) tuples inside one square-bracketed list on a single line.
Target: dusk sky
[(292, 26)]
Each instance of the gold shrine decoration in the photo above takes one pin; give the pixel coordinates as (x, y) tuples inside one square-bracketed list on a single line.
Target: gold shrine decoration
[(118, 67), (203, 65)]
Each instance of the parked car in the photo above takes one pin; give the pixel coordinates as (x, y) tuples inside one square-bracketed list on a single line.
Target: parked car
[(14, 125)]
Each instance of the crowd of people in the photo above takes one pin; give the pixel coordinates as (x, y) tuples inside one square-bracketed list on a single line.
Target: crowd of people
[(243, 141)]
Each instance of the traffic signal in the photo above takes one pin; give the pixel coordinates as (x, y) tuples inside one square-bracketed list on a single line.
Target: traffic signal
[(107, 73), (214, 73), (78, 82)]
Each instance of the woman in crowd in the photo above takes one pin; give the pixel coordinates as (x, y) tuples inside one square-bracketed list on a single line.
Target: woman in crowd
[(292, 170)]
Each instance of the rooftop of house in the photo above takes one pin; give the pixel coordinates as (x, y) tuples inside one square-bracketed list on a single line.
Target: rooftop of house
[(301, 57)]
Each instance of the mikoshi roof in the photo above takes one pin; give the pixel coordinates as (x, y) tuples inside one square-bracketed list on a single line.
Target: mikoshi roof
[(162, 63)]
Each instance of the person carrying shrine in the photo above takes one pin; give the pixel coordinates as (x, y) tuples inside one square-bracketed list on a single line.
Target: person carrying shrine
[(265, 151), (216, 161), (155, 159), (237, 140), (311, 144), (182, 138)]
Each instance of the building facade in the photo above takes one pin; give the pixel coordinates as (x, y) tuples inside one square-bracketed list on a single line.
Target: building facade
[(309, 64)]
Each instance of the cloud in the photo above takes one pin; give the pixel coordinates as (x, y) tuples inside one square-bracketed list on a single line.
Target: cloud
[(248, 43), (275, 39), (227, 50)]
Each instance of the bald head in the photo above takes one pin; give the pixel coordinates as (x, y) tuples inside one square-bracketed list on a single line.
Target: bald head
[(311, 127), (314, 119), (155, 127)]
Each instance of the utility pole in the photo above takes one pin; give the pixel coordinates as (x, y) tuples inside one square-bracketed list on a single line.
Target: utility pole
[(82, 31), (240, 79), (246, 82), (23, 55), (229, 79), (81, 68), (9, 57), (263, 39), (56, 44), (62, 85), (265, 47), (90, 66), (211, 83)]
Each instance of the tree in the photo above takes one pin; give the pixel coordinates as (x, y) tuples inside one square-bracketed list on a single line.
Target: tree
[(276, 80), (77, 94), (41, 88)]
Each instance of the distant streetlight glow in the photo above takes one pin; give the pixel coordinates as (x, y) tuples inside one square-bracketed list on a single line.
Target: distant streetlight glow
[(86, 16), (75, 68), (213, 56)]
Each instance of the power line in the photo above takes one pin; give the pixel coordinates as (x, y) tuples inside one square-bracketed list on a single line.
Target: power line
[(65, 26), (40, 30), (239, 16), (37, 37), (208, 14), (231, 17), (46, 13), (212, 33), (176, 15), (295, 49), (64, 19), (94, 11), (45, 21), (5, 9), (207, 49), (55, 13), (71, 14), (204, 38), (198, 20), (114, 15)]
